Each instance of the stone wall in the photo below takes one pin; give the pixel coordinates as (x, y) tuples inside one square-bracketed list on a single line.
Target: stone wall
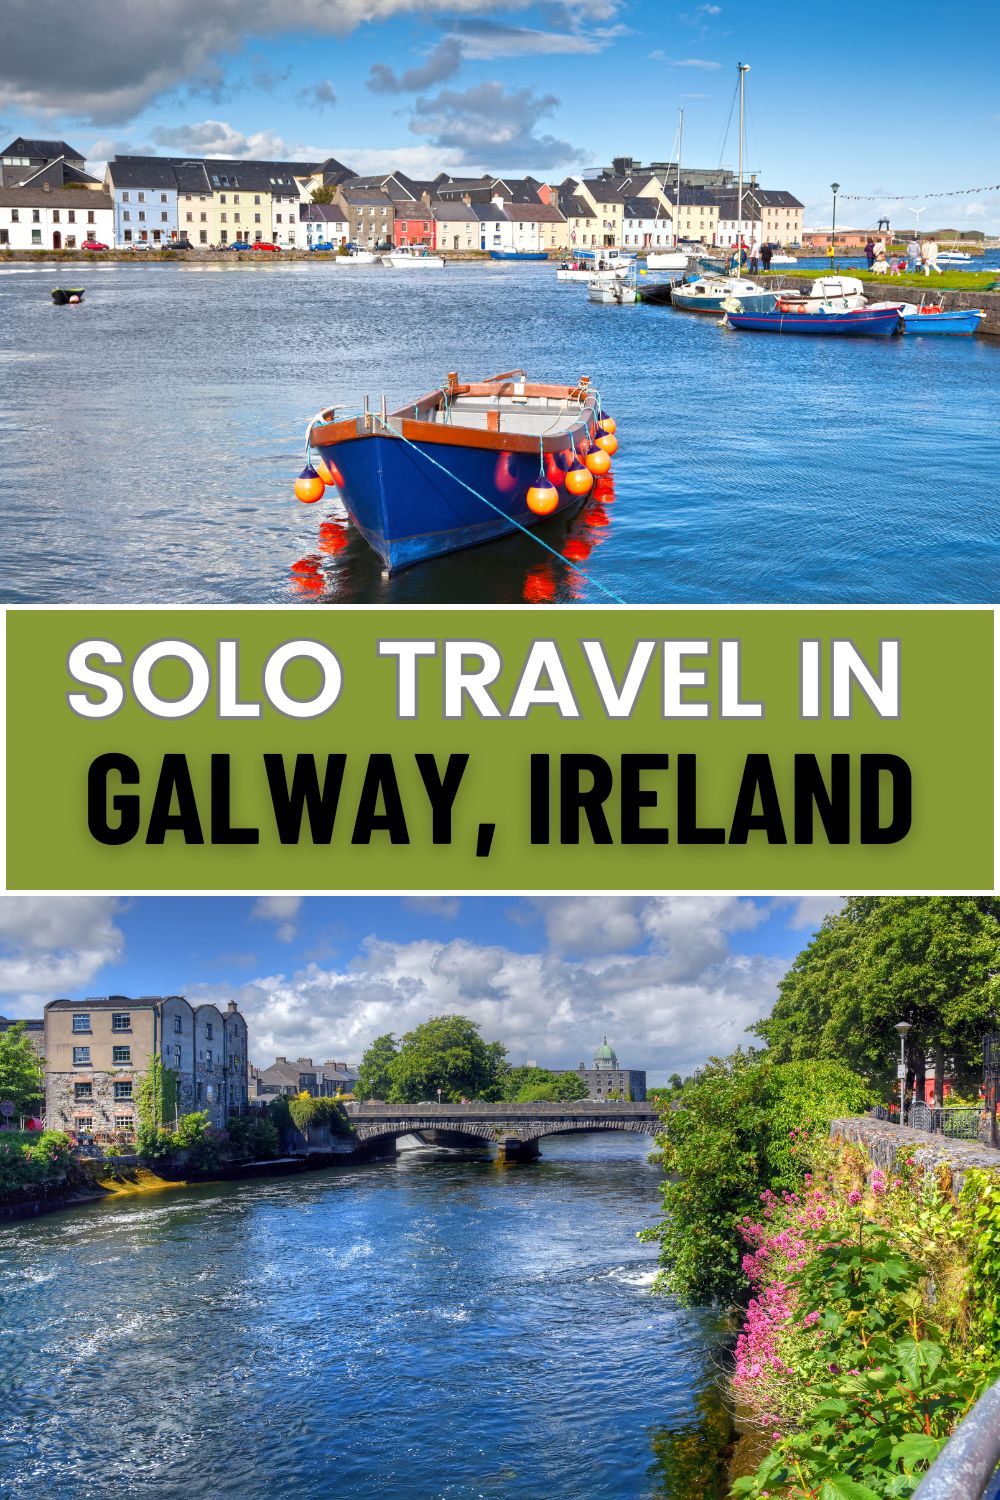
[(882, 1140)]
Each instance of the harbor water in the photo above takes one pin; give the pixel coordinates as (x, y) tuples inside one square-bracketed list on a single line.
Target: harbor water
[(150, 437), (439, 1328)]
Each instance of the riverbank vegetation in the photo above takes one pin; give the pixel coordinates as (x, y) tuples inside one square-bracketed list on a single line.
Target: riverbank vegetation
[(22, 1073), (866, 1299), (33, 1159)]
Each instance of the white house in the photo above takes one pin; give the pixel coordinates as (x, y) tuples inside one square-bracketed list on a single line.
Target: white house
[(324, 223), (646, 222), (48, 218)]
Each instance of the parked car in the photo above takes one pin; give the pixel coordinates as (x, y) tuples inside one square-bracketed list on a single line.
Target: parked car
[(239, 245), (93, 245), (138, 245), (184, 244), (324, 245), (265, 245)]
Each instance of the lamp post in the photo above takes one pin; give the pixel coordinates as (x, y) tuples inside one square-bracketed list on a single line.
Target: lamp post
[(439, 1098), (904, 1028), (835, 189)]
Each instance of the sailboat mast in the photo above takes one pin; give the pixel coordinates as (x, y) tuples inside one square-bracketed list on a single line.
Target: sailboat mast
[(680, 142), (744, 69)]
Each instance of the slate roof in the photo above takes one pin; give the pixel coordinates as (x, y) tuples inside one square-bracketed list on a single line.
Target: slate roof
[(576, 208), (53, 198), (645, 208), (605, 189), (488, 211), (361, 197), (534, 213), (156, 172), (46, 149), (111, 1002), (321, 213), (453, 211), (57, 173), (191, 177)]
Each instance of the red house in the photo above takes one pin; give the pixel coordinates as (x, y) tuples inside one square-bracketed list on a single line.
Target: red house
[(414, 225)]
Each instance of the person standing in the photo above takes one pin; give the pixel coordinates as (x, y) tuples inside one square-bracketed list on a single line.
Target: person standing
[(870, 252), (929, 250), (765, 256), (913, 254)]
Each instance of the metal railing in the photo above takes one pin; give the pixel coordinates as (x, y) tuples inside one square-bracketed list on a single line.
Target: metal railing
[(965, 1467), (957, 1122)]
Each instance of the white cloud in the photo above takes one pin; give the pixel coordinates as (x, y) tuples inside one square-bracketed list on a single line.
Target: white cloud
[(693, 62), (447, 907), (216, 138), (808, 911), (50, 945), (483, 40), (664, 1009), (487, 123), (282, 910)]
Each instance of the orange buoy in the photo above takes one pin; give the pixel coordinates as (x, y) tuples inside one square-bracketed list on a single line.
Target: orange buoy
[(542, 497), (329, 473), (597, 461), (309, 487), (505, 473), (608, 424), (608, 442), (579, 480)]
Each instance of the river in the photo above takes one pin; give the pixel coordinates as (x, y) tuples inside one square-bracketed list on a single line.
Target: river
[(150, 438), (438, 1328)]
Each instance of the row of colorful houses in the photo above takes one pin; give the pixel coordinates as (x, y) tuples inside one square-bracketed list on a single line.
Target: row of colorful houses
[(48, 201)]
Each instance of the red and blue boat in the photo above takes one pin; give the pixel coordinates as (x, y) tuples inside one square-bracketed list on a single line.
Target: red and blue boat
[(859, 322), (465, 464)]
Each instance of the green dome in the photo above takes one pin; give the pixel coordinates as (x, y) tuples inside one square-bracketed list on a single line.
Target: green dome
[(605, 1056)]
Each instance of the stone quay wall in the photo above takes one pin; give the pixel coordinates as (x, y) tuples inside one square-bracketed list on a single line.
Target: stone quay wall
[(882, 1140)]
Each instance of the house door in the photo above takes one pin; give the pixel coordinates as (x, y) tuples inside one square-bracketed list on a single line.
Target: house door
[(56, 240)]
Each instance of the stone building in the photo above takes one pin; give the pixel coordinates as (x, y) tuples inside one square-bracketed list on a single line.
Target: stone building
[(302, 1076), (607, 1076), (34, 1030), (98, 1050)]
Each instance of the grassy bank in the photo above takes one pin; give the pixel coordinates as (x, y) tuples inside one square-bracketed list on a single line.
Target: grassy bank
[(948, 281)]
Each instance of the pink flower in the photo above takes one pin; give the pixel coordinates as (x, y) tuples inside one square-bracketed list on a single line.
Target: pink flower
[(854, 1198)]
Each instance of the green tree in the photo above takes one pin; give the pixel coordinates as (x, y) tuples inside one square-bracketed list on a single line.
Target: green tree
[(375, 1072), (529, 1085), (156, 1097), (324, 194), (22, 1076), (446, 1053), (929, 960), (741, 1125)]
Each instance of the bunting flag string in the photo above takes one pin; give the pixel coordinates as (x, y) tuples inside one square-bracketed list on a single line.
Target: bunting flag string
[(908, 197)]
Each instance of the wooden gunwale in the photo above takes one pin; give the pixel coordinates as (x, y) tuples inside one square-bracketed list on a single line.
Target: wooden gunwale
[(418, 429)]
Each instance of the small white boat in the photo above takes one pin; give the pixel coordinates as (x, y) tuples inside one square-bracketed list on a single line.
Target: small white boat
[(587, 264), (356, 258), (406, 258), (829, 293), (615, 289), (784, 260), (667, 260), (710, 293), (954, 258)]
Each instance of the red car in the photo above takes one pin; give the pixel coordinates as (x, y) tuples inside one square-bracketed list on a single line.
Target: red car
[(93, 245), (263, 245)]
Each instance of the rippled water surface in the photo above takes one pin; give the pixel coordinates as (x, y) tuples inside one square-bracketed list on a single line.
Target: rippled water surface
[(433, 1328), (149, 439)]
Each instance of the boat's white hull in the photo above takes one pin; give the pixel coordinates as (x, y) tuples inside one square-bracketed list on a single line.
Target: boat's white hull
[(363, 258), (666, 260), (615, 293), (954, 259), (414, 262), (784, 260), (611, 275)]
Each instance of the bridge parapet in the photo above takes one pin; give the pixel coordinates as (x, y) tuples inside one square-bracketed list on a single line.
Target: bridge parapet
[(492, 1121)]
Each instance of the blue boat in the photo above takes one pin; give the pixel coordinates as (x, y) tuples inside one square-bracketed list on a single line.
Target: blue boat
[(709, 294), (861, 321), (938, 320), (519, 255), (453, 468)]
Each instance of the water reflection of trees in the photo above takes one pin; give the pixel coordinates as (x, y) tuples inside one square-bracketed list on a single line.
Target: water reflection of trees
[(690, 1461)]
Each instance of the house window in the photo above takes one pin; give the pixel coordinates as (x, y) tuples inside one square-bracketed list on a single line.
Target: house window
[(128, 236), (236, 218), (124, 1122), (189, 218), (71, 216), (208, 1057), (156, 236), (123, 1090), (256, 218), (163, 197), (222, 218), (84, 1122), (224, 234), (125, 198), (126, 214), (81, 1023), (15, 216), (121, 1020), (208, 1031), (178, 1027), (36, 217), (83, 1091), (164, 218), (257, 198), (236, 197), (81, 1056), (121, 1055), (203, 218), (177, 1054), (142, 216), (142, 197), (55, 216), (4, 237)]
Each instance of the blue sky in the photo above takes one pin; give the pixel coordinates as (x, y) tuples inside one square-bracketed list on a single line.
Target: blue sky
[(670, 979), (519, 86)]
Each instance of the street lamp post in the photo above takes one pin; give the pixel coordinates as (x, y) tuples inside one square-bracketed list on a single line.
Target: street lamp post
[(439, 1098), (904, 1028), (835, 188)]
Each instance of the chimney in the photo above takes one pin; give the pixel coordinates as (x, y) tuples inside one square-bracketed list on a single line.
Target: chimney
[(281, 1059), (232, 1007)]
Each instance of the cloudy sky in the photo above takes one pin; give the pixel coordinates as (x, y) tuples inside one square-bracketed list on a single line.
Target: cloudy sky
[(516, 85), (670, 979)]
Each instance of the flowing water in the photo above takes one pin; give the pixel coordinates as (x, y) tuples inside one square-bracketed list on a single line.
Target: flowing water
[(149, 439), (434, 1329)]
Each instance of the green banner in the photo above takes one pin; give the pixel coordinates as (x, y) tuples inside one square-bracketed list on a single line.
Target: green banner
[(574, 749)]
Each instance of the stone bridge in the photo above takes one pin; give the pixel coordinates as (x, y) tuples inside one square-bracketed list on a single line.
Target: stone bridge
[(515, 1129)]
